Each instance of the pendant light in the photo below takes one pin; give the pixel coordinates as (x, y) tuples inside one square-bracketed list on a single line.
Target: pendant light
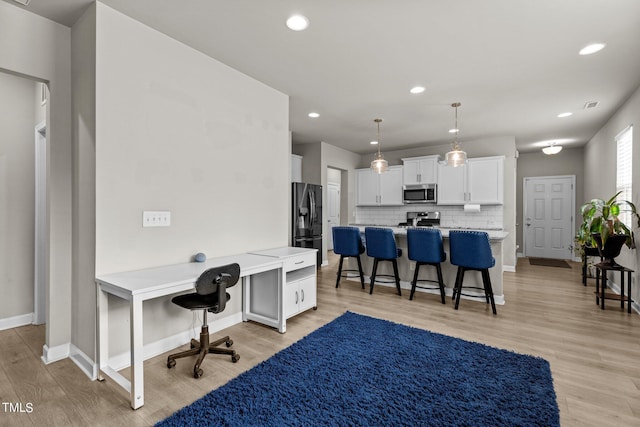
[(456, 157), (379, 164)]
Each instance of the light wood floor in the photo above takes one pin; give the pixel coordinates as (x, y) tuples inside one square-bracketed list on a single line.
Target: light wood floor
[(594, 354)]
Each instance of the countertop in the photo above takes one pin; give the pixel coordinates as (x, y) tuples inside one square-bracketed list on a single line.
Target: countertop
[(402, 231)]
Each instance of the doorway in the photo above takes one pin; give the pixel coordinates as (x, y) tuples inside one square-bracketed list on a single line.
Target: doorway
[(549, 206), (334, 186)]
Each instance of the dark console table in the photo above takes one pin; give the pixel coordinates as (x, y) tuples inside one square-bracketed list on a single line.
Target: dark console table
[(601, 295)]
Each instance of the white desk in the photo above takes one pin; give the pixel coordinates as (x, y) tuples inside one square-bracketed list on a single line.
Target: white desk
[(141, 285)]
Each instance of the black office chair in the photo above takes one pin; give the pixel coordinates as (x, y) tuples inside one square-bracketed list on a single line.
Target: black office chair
[(210, 296)]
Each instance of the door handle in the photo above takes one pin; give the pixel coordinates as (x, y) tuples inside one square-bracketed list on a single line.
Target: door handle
[(528, 223)]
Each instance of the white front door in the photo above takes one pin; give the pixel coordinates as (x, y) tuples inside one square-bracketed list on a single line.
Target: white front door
[(333, 206), (549, 204)]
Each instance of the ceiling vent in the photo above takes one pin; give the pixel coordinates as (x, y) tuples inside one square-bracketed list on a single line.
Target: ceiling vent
[(591, 104), (24, 2)]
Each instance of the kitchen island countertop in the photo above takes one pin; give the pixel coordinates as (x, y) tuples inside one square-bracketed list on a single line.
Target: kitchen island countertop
[(402, 231)]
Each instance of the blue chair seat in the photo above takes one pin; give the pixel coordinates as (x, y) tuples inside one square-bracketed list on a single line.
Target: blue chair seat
[(425, 248), (347, 242), (381, 246), (471, 250)]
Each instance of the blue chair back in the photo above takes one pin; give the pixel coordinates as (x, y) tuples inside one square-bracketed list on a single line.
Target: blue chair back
[(381, 243), (347, 241), (425, 245), (470, 249)]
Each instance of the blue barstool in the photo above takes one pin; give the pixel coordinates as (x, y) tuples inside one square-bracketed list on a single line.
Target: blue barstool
[(471, 250), (425, 248), (347, 243), (381, 246)]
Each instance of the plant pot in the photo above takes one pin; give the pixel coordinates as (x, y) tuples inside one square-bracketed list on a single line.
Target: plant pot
[(611, 249)]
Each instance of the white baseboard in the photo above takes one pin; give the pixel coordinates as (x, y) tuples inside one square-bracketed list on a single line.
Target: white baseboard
[(53, 354), (123, 360), (84, 362), (509, 268), (15, 321)]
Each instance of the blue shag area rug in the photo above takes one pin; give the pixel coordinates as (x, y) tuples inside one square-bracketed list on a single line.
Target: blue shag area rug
[(362, 371)]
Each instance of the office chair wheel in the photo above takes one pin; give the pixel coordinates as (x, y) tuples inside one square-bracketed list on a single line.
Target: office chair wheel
[(229, 343), (197, 373), (235, 358), (171, 363)]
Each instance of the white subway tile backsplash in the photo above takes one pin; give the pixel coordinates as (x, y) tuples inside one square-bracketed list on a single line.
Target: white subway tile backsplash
[(489, 217)]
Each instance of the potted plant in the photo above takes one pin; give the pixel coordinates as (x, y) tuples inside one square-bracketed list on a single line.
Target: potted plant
[(602, 227)]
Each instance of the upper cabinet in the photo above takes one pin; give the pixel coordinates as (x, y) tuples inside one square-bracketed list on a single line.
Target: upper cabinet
[(373, 189), (296, 168), (420, 170), (480, 181)]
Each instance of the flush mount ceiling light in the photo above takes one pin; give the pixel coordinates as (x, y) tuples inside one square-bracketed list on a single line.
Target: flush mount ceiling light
[(567, 114), (379, 164), (417, 89), (592, 48), (24, 2), (456, 157), (297, 22), (314, 115), (552, 149)]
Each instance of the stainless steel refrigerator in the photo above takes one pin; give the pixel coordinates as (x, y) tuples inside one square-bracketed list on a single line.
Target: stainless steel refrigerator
[(307, 217)]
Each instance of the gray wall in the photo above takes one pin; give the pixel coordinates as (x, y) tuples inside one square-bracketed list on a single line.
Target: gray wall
[(177, 130), (600, 172), (45, 56), (17, 193), (570, 161)]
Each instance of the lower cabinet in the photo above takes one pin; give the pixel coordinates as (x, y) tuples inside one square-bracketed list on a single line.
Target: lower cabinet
[(300, 290)]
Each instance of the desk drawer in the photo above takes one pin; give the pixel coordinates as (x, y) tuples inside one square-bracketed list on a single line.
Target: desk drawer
[(300, 261)]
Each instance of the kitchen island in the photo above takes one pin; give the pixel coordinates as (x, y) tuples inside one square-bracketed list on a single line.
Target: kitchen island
[(406, 267)]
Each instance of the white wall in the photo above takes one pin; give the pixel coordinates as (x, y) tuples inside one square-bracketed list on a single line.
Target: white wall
[(179, 131), (17, 192), (38, 48)]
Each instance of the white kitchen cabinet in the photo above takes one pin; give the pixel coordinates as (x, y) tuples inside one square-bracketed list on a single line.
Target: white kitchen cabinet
[(480, 181), (420, 170), (296, 168), (373, 189)]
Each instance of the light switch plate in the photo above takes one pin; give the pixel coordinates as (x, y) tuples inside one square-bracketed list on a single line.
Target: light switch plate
[(156, 218)]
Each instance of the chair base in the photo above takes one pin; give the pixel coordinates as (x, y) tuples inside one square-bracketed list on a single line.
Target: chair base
[(340, 270), (416, 281), (486, 282), (395, 276), (202, 348)]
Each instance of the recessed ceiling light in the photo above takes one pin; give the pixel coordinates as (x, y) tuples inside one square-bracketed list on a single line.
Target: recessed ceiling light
[(374, 143), (314, 115), (592, 48), (417, 89), (297, 22), (454, 130), (567, 114)]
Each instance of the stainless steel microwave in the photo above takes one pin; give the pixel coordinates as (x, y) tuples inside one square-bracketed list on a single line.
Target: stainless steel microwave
[(419, 193)]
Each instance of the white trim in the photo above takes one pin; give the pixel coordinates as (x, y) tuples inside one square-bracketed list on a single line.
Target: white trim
[(15, 321), (53, 354), (84, 362), (509, 268), (40, 231), (123, 360)]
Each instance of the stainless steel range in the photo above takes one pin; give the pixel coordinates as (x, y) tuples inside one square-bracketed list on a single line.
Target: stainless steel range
[(421, 219)]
